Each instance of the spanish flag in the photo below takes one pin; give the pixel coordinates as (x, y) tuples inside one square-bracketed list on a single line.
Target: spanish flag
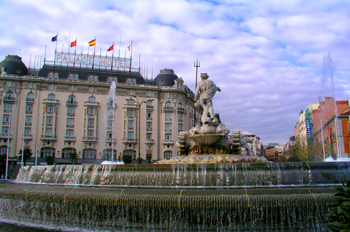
[(92, 42)]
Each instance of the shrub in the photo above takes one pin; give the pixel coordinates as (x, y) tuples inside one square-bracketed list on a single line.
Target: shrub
[(340, 216), (127, 159), (50, 160)]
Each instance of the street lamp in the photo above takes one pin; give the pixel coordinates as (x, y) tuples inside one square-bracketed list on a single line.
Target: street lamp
[(139, 104)]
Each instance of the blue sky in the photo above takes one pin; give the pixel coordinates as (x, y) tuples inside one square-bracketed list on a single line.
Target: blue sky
[(266, 56)]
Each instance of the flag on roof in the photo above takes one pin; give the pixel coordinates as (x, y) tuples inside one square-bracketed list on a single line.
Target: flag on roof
[(92, 42), (111, 48), (129, 47), (73, 44), (53, 39)]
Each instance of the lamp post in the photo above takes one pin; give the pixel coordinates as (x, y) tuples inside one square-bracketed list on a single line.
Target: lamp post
[(139, 104)]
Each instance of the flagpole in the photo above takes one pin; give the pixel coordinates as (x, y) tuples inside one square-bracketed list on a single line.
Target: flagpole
[(124, 60), (69, 45), (99, 65), (81, 56), (93, 59), (62, 54), (106, 60), (87, 57), (54, 60), (112, 57), (44, 56), (75, 52), (130, 56), (139, 62), (30, 60), (120, 43)]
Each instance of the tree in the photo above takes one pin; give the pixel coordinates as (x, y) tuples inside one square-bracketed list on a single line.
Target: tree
[(27, 154), (73, 157), (50, 160)]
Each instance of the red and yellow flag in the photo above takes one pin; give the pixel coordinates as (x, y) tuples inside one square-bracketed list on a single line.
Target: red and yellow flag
[(92, 42)]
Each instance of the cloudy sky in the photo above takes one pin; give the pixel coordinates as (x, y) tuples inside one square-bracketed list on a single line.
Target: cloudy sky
[(266, 56)]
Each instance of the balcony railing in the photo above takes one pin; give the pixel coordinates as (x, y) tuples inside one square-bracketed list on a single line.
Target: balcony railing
[(90, 139), (126, 140), (71, 103), (168, 108), (110, 140), (9, 99), (48, 138), (5, 136), (168, 142), (149, 141), (29, 99), (180, 109), (69, 138), (27, 137)]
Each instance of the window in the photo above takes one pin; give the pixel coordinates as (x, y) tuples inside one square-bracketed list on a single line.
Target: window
[(71, 111), (111, 79), (130, 124), (179, 106), (170, 95), (91, 122), (180, 127), (8, 107), (49, 120), (149, 125), (90, 133), (91, 99), (51, 96), (130, 135), (149, 136), (131, 81), (166, 95), (27, 131), (76, 77), (167, 136), (130, 113), (30, 97), (109, 134), (31, 85), (29, 108), (9, 95), (167, 105), (72, 88), (130, 92), (92, 90), (89, 154), (52, 87), (3, 150), (71, 98), (49, 109), (69, 132), (93, 78), (50, 75), (167, 126), (129, 102), (70, 76), (67, 151), (149, 114), (179, 116), (6, 118), (48, 132), (149, 104), (47, 151), (168, 154), (10, 83), (167, 115), (91, 110), (5, 130), (55, 75), (149, 93), (70, 122), (109, 123)]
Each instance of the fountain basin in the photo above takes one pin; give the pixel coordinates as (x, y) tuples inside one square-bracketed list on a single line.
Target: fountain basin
[(207, 139)]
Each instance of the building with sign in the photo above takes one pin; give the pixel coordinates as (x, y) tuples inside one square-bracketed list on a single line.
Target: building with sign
[(67, 106)]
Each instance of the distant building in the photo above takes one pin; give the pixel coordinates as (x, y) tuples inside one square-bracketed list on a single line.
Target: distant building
[(65, 107)]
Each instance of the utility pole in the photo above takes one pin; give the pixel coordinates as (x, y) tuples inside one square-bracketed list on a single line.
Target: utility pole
[(197, 65)]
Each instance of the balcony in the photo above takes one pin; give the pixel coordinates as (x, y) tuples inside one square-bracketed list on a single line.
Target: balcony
[(27, 137), (168, 119), (29, 99), (168, 142), (91, 103), (48, 138), (51, 101), (149, 141), (28, 124), (149, 129), (5, 136), (168, 130), (71, 103), (110, 140), (9, 99), (126, 140), (149, 107), (168, 108), (69, 138), (181, 109), (90, 139)]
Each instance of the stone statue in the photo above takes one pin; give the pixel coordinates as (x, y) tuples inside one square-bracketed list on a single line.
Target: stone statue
[(204, 95), (245, 141)]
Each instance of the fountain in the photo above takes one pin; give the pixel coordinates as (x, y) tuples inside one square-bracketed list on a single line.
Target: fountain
[(205, 189)]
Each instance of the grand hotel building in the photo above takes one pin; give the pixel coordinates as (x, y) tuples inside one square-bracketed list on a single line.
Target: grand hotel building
[(60, 109)]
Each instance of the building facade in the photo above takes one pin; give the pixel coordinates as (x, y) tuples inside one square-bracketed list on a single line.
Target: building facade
[(95, 112)]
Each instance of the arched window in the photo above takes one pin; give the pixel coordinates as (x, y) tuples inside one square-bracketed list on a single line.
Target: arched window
[(130, 152), (67, 151), (168, 154), (9, 95), (71, 98), (47, 151), (179, 106), (51, 96), (167, 105), (3, 150), (89, 153), (149, 104), (107, 153), (30, 97), (91, 99)]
